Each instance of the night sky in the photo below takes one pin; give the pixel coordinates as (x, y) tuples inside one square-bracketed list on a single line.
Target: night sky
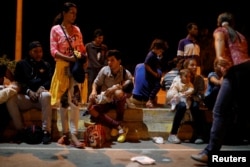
[(129, 26)]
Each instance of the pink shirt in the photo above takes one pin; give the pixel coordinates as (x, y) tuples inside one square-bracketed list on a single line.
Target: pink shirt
[(236, 52), (59, 43)]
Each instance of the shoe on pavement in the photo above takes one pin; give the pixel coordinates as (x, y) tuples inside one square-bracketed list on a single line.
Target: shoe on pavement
[(114, 132), (172, 107), (122, 137), (201, 157), (174, 139), (158, 140), (46, 137), (64, 140), (19, 137), (199, 141)]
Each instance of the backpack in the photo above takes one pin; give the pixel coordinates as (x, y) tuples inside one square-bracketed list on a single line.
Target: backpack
[(95, 136), (33, 134)]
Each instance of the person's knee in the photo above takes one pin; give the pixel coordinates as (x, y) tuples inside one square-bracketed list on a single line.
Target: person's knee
[(93, 112), (46, 95), (12, 101), (181, 106)]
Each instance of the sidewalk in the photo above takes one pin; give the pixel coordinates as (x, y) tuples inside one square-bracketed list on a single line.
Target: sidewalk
[(112, 155)]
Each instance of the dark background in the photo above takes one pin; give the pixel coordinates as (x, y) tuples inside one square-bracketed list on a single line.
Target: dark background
[(129, 26)]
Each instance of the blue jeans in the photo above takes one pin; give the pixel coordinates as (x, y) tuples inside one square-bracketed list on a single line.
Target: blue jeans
[(221, 116), (198, 118), (231, 109)]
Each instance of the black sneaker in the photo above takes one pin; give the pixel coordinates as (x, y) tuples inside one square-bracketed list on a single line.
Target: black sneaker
[(19, 137), (46, 137), (93, 119)]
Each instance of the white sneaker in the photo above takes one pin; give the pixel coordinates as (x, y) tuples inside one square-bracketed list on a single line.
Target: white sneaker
[(174, 139), (173, 107)]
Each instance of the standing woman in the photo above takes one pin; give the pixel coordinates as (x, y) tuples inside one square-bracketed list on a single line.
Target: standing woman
[(231, 46), (62, 82)]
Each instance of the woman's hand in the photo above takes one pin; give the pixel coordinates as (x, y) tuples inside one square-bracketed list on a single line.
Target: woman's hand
[(77, 54)]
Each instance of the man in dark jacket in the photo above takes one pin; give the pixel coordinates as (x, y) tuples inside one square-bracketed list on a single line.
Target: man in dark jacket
[(34, 75)]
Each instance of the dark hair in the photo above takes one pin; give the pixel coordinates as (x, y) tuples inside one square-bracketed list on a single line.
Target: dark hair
[(229, 18), (34, 44), (187, 61), (65, 8), (225, 17), (190, 26), (98, 32), (159, 44), (128, 86), (115, 53), (222, 63)]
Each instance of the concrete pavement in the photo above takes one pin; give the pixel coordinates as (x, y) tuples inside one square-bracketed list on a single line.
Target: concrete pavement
[(113, 154)]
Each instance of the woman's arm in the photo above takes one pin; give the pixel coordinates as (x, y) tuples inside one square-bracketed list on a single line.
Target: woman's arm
[(219, 44), (215, 81)]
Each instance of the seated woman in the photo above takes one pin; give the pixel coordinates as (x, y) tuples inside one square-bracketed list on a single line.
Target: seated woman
[(214, 82), (197, 116)]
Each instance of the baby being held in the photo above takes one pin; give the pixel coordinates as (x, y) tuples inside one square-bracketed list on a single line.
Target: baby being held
[(181, 89), (126, 90)]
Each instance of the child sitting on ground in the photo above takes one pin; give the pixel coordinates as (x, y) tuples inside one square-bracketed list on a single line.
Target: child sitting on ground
[(180, 90), (7, 91)]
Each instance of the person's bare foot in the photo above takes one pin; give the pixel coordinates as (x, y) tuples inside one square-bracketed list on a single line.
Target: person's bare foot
[(75, 142), (150, 104), (64, 140)]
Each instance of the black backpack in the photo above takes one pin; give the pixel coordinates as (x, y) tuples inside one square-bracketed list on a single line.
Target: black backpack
[(33, 134)]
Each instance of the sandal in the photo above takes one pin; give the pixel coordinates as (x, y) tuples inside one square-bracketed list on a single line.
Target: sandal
[(122, 137), (64, 140), (76, 143)]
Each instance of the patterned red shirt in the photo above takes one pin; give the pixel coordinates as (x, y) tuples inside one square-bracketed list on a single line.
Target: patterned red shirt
[(235, 52), (59, 43)]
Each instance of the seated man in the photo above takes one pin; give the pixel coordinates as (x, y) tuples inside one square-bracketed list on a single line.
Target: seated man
[(34, 76), (109, 79), (126, 90)]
